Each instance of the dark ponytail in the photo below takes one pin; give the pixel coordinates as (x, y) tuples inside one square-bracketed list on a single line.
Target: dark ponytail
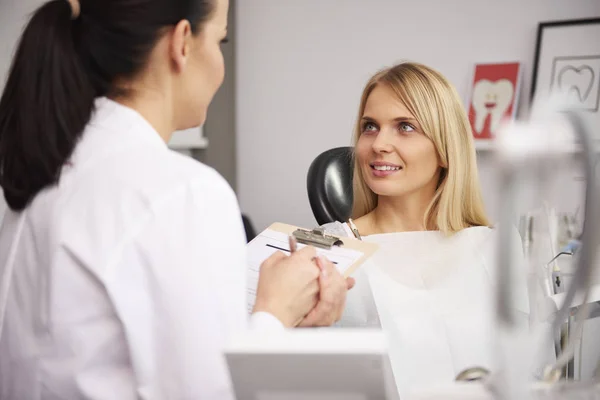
[(46, 104), (60, 66)]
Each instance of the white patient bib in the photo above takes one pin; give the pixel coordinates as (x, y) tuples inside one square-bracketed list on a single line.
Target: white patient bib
[(434, 298)]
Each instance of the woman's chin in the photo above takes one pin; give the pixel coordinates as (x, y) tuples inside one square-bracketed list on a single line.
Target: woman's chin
[(386, 190)]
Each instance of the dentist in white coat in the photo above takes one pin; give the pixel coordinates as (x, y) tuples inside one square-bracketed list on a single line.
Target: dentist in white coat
[(122, 264)]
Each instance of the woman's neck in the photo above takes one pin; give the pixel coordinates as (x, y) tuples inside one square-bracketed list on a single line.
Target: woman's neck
[(149, 94), (394, 214)]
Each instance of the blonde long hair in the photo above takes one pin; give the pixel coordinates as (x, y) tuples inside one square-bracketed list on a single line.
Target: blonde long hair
[(435, 104)]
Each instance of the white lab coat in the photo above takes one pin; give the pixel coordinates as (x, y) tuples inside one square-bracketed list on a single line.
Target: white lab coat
[(126, 280)]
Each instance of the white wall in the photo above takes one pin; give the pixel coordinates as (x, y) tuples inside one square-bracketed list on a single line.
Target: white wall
[(301, 66), (13, 14)]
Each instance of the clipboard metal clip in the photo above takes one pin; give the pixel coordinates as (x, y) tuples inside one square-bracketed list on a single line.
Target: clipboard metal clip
[(317, 238)]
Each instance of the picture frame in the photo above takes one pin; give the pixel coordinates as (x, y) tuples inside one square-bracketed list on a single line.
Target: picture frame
[(570, 47), (493, 98), (567, 61)]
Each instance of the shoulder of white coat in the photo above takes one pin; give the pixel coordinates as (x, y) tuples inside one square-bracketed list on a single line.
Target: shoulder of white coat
[(192, 170), (175, 172), (335, 228), (125, 191), (204, 181)]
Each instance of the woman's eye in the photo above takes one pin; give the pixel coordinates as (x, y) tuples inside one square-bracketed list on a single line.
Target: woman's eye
[(406, 127), (369, 127)]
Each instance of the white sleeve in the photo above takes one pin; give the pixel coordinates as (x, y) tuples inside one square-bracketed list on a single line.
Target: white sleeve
[(179, 289)]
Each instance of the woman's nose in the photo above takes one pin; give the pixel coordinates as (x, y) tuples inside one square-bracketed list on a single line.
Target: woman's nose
[(382, 142)]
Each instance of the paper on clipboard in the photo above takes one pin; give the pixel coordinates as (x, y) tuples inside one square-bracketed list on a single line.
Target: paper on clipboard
[(347, 258)]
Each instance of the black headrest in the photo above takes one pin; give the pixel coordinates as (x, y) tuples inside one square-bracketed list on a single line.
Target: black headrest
[(329, 184)]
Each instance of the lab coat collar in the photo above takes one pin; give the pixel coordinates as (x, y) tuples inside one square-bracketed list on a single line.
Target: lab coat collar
[(127, 121)]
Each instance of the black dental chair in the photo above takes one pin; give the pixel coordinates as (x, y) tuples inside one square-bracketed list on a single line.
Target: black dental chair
[(329, 185), (248, 228)]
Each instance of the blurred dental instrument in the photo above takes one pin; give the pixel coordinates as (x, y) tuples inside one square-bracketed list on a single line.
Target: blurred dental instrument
[(536, 146)]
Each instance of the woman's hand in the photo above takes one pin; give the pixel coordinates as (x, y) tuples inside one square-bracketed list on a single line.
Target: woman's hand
[(288, 287), (302, 289), (332, 296)]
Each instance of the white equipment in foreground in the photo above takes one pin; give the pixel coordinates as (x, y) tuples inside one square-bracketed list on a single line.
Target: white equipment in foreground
[(312, 364)]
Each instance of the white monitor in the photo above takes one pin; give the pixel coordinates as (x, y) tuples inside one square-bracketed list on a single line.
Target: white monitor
[(311, 364)]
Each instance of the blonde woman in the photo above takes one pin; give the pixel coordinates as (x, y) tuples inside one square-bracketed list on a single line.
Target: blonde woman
[(416, 194)]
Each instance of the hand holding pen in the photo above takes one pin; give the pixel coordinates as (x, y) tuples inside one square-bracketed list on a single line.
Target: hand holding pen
[(332, 294)]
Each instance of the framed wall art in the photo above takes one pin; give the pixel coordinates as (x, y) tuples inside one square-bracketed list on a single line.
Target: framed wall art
[(494, 97), (567, 61)]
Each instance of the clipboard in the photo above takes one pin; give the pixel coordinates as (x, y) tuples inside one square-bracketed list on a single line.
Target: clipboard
[(346, 253)]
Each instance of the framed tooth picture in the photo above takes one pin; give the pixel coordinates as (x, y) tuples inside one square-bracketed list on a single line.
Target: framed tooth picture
[(567, 62), (493, 97)]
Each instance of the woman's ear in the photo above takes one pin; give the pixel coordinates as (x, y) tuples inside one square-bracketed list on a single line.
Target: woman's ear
[(180, 44), (441, 163)]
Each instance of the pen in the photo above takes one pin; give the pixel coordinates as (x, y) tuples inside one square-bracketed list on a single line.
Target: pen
[(293, 244), (316, 260)]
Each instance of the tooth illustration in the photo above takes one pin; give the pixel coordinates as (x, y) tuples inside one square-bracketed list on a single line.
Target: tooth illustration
[(491, 98), (576, 82), (480, 96)]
